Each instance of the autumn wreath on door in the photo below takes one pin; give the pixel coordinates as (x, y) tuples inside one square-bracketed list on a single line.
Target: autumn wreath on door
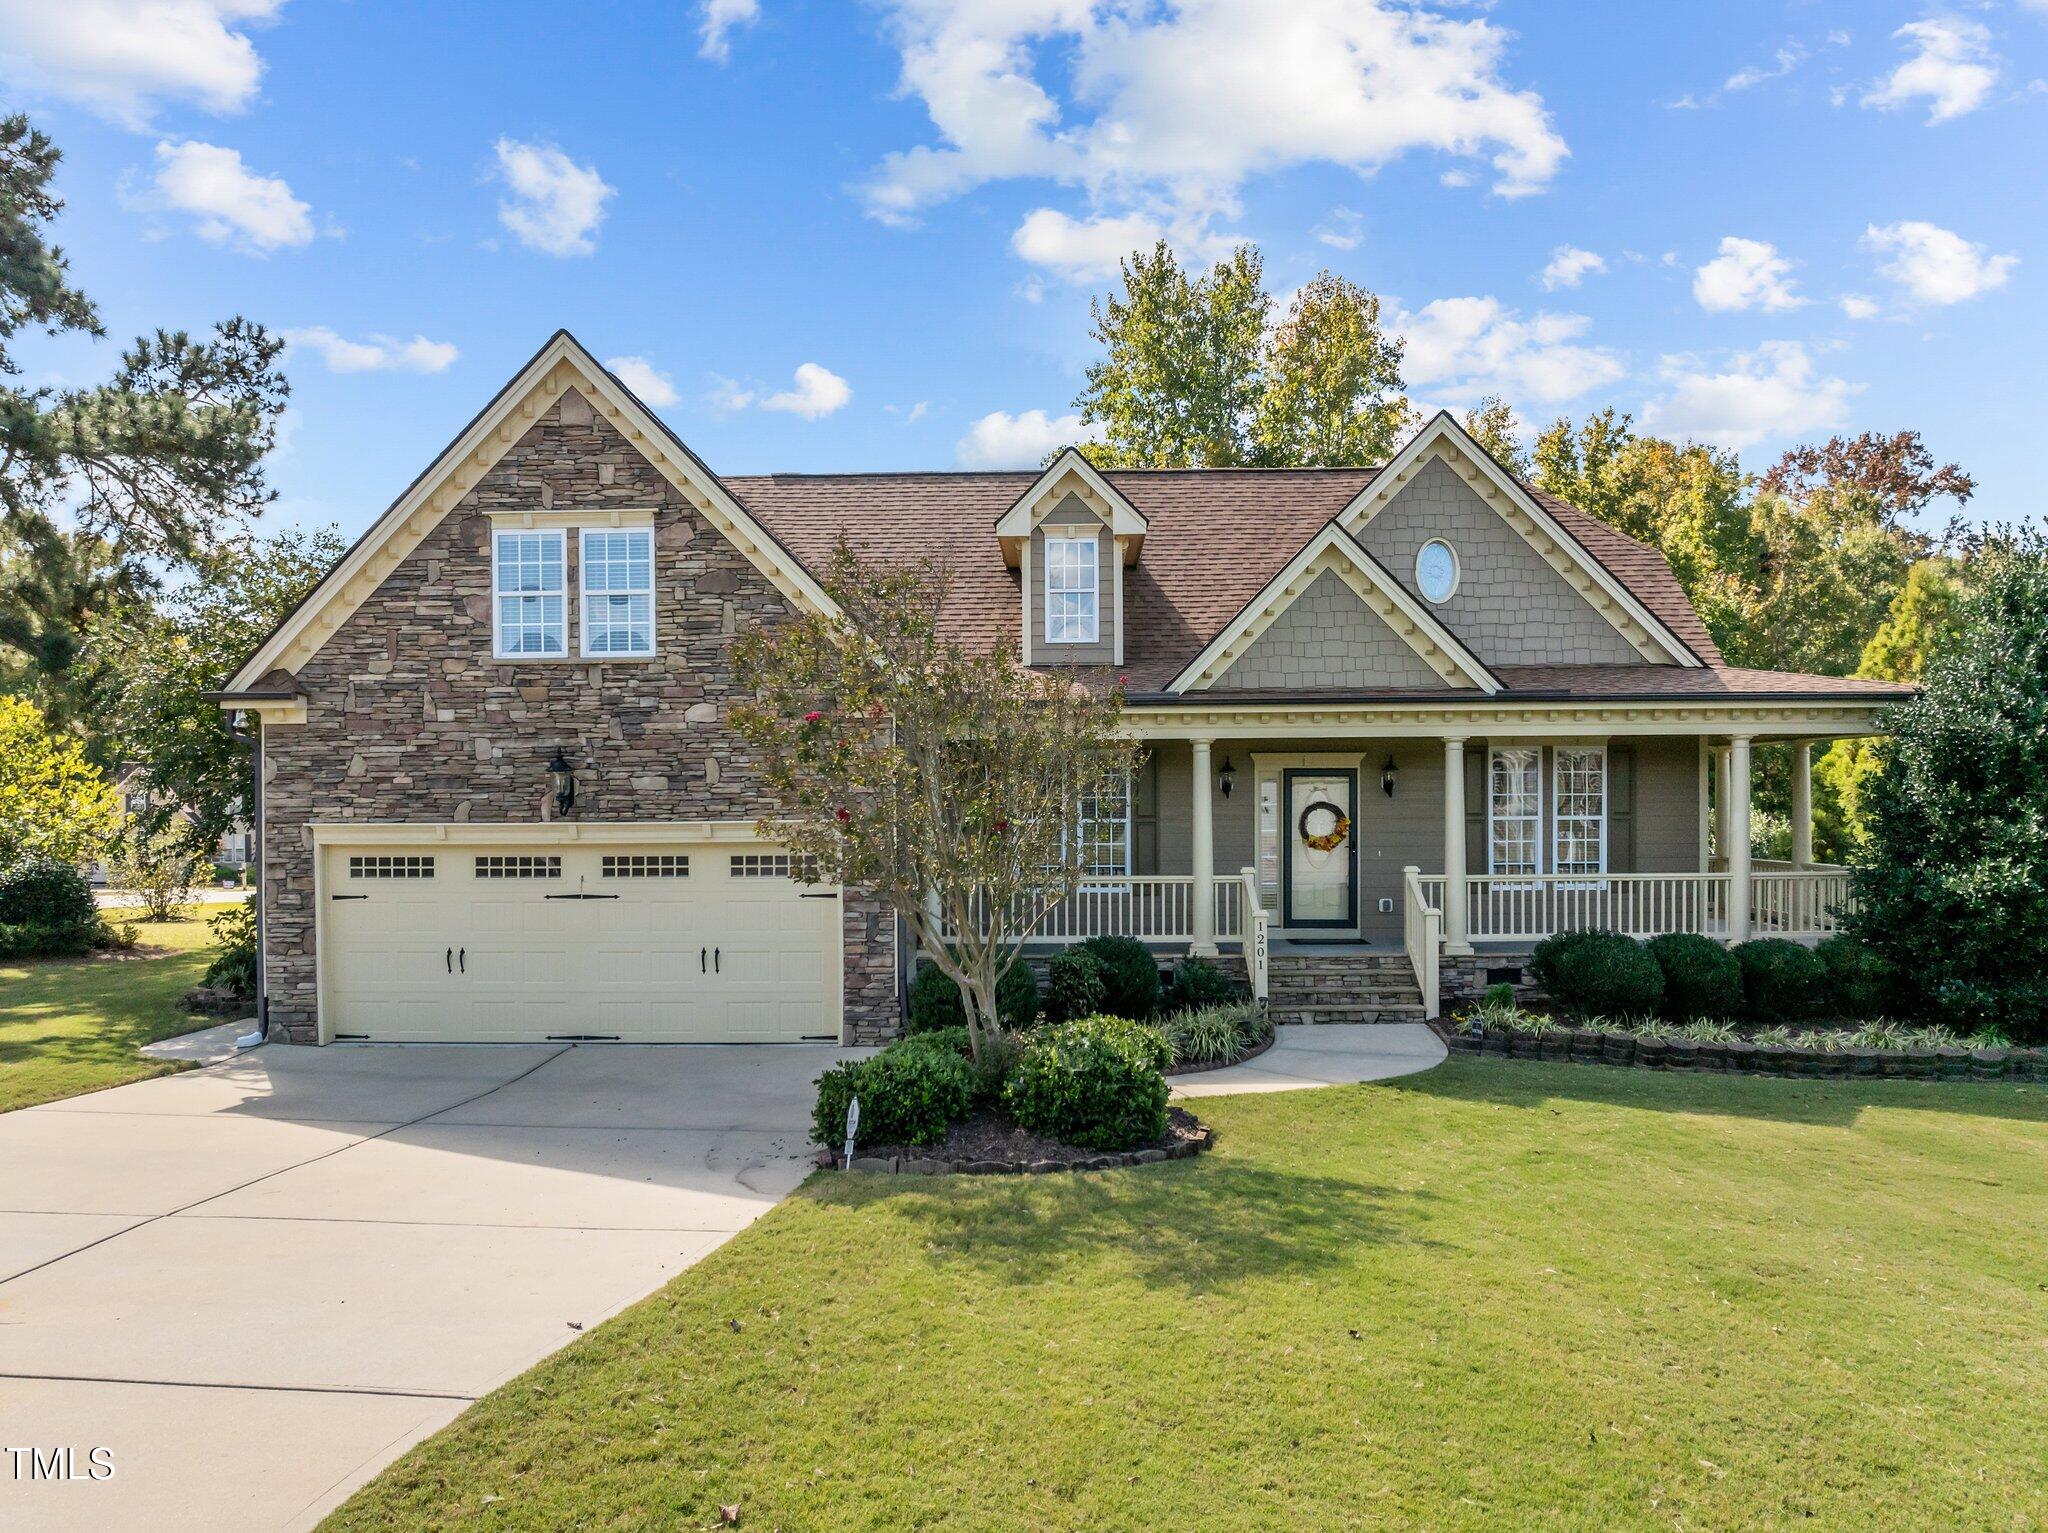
[(1323, 826)]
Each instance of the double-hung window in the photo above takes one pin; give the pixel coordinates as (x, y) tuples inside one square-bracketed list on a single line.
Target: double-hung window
[(1102, 831), (1073, 593), (1579, 799), (618, 591), (530, 593), (1515, 811)]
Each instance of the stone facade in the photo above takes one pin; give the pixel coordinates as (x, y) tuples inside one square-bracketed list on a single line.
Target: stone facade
[(1327, 637), (410, 718)]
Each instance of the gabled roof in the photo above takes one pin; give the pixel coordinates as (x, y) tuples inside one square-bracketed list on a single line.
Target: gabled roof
[(1070, 474), (560, 365), (1604, 590), (1333, 549)]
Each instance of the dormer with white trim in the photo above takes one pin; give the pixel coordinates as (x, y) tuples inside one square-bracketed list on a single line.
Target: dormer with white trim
[(1070, 537)]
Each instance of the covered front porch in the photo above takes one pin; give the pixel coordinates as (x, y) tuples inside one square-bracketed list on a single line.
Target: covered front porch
[(1448, 849)]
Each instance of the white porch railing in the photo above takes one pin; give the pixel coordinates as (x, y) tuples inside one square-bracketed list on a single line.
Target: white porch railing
[(1422, 935), (1152, 908), (1807, 902)]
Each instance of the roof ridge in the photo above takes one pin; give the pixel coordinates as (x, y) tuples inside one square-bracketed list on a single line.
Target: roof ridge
[(1032, 473)]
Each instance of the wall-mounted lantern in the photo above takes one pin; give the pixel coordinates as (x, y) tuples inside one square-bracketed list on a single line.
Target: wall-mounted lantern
[(1387, 777), (565, 782), (1226, 777)]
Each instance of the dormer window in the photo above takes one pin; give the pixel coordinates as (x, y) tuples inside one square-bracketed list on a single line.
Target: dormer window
[(1073, 590)]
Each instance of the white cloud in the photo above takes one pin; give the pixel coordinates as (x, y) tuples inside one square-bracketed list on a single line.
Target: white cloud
[(1082, 249), (1787, 59), (1342, 232), (1002, 440), (1569, 266), (646, 380), (721, 18), (1746, 274), (1767, 394), (1462, 348), (1934, 264), (1170, 110), (1949, 62), (233, 205), (818, 392), (378, 354), (1858, 306), (121, 58), (556, 204)]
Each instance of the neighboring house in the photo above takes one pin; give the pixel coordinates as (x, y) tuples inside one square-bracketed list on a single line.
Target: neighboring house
[(1402, 722), (236, 847)]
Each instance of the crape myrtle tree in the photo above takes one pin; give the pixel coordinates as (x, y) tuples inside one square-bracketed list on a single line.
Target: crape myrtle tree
[(942, 780), (1952, 884)]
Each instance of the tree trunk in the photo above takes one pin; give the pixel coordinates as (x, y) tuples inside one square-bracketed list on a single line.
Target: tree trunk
[(980, 996)]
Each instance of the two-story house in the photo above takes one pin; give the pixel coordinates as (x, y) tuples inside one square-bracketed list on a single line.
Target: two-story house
[(1402, 721)]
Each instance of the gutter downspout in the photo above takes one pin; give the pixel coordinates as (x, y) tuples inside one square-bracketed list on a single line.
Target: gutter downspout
[(255, 743)]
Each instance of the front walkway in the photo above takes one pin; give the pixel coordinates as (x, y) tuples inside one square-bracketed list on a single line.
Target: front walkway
[(1329, 1054)]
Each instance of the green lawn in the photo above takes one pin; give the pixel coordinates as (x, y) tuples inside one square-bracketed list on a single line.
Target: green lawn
[(69, 1025), (1493, 1295)]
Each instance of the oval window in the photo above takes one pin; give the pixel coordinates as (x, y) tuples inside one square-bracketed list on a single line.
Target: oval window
[(1436, 570)]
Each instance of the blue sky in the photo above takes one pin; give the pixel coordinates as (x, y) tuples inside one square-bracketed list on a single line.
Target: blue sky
[(863, 236)]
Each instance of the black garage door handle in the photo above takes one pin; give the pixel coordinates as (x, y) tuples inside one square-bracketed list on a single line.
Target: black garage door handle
[(451, 960), (462, 958)]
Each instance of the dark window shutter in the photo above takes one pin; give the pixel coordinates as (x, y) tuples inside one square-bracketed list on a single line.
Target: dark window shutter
[(1477, 775), (1621, 809), (1145, 818)]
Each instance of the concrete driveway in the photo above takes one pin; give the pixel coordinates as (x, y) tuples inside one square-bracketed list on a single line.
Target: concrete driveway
[(256, 1283)]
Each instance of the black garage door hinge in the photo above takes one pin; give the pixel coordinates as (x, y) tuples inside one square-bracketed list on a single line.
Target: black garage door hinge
[(583, 1037), (579, 896), (817, 896), (348, 896)]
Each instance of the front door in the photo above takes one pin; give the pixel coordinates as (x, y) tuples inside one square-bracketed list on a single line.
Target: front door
[(1321, 887)]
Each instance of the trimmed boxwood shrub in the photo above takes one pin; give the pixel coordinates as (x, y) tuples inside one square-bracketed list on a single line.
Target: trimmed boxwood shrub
[(1130, 976), (910, 1093), (1544, 961), (1701, 977), (1781, 981), (1197, 985), (935, 999), (1602, 973), (42, 891), (1096, 1083), (48, 941), (1074, 986), (1861, 982)]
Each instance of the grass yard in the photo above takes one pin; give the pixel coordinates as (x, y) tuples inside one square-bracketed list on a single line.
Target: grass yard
[(1493, 1295), (69, 1025)]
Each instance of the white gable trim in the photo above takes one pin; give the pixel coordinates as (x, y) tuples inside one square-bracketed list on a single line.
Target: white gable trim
[(1334, 549), (1070, 473), (560, 365), (1444, 438)]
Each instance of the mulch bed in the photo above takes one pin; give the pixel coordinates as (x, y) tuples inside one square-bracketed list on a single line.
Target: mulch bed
[(989, 1144)]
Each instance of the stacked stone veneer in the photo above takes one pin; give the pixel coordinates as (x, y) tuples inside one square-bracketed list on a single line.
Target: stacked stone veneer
[(409, 718)]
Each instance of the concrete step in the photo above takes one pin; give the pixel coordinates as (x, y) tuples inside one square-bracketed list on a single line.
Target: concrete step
[(1318, 1014)]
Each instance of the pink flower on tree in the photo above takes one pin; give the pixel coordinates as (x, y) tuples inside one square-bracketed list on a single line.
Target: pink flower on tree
[(812, 718)]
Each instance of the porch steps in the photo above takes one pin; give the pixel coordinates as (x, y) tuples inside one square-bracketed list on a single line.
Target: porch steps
[(1342, 987)]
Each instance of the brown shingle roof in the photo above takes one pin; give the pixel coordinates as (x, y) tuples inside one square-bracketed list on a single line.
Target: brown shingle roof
[(1215, 538)]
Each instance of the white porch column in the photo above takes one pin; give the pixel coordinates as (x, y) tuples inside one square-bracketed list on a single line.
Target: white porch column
[(1738, 839), (1802, 804), (1721, 803), (1203, 839), (1457, 935)]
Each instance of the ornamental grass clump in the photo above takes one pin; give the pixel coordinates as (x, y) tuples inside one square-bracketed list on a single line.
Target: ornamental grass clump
[(1098, 1083), (1216, 1034)]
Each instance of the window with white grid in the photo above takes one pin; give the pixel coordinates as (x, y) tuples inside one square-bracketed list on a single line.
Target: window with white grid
[(1102, 830), (618, 591), (530, 599), (1072, 591), (380, 866), (1579, 792), (518, 866), (646, 865), (1514, 811)]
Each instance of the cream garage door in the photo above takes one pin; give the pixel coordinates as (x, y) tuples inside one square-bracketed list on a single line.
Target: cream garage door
[(446, 943)]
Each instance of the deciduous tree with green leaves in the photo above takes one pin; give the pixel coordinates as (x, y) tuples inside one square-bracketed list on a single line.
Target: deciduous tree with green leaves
[(53, 801), (1953, 883), (1491, 423), (1191, 376), (155, 668), (941, 780)]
